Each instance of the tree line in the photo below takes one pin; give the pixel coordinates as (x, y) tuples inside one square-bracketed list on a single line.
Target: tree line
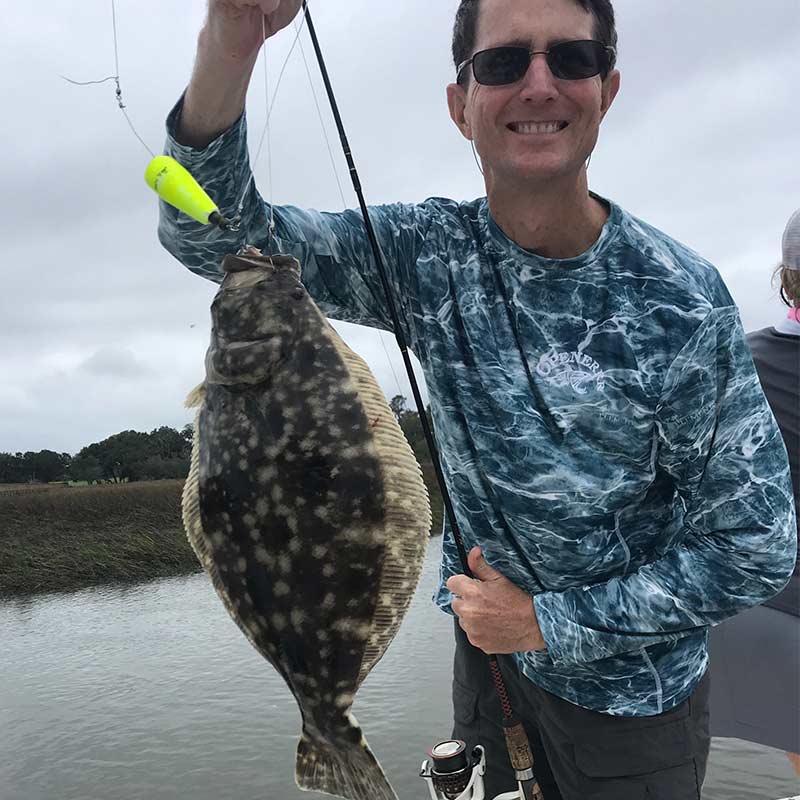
[(163, 453), (123, 457)]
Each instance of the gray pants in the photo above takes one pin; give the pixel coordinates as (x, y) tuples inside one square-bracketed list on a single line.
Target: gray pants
[(580, 754)]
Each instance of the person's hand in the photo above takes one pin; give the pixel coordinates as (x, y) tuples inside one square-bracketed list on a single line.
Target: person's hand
[(236, 27), (497, 616)]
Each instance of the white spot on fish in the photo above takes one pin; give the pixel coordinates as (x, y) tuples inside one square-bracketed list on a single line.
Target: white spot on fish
[(267, 474), (345, 700), (319, 551), (298, 618), (279, 621)]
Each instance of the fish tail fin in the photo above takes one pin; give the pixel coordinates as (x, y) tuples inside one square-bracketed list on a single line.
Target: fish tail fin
[(196, 396), (346, 767)]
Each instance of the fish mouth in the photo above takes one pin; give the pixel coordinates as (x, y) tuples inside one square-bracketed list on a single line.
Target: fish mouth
[(249, 258), (530, 127)]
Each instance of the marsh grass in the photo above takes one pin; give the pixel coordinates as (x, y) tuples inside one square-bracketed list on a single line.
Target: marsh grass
[(59, 539), (55, 538)]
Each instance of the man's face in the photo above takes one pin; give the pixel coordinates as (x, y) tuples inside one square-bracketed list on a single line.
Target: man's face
[(505, 122)]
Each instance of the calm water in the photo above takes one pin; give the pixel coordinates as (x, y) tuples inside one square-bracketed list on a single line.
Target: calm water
[(152, 693)]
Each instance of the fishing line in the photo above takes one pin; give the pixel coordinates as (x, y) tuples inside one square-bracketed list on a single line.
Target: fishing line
[(269, 138), (269, 106), (517, 743), (115, 78), (321, 120)]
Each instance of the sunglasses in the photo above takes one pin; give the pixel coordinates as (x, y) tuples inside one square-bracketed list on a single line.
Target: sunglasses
[(571, 61)]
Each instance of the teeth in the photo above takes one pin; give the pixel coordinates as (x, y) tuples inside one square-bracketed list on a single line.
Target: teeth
[(538, 127)]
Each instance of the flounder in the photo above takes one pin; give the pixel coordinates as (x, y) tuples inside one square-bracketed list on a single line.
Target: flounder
[(306, 507)]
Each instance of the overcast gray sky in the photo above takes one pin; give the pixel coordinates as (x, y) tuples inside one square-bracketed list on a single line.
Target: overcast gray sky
[(103, 331)]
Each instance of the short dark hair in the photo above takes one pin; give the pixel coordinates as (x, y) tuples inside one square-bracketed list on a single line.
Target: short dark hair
[(466, 27)]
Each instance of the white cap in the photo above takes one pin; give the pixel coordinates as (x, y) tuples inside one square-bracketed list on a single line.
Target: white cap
[(791, 242)]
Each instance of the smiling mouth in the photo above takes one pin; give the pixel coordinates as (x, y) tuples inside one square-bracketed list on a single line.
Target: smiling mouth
[(538, 127)]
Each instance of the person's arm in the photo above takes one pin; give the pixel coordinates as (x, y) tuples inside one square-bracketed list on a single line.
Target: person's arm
[(227, 49), (333, 249), (720, 444)]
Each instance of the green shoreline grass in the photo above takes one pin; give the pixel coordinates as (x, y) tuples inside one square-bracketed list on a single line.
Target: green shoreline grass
[(61, 539)]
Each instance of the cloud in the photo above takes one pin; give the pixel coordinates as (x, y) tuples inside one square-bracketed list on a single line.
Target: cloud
[(97, 318), (114, 363)]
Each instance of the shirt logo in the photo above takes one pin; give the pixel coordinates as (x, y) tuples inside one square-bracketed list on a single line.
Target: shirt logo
[(578, 370)]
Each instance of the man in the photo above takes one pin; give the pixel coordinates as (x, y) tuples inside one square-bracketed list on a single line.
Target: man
[(613, 464)]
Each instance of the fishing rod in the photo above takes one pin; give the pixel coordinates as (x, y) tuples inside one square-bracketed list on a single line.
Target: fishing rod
[(517, 744)]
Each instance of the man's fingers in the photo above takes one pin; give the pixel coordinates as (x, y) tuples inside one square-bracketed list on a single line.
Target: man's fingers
[(461, 585), (480, 568)]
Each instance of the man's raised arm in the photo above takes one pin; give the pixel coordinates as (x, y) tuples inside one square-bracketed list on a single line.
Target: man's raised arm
[(227, 49)]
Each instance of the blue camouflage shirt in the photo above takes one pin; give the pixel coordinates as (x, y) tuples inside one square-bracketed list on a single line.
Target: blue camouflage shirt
[(601, 426)]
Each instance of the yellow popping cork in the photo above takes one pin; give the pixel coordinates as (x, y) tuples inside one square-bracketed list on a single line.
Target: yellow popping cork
[(174, 184)]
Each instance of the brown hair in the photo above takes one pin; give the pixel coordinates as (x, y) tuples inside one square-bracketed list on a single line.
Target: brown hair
[(790, 284)]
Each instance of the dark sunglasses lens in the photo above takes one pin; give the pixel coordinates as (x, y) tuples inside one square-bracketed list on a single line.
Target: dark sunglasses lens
[(577, 60), (500, 65)]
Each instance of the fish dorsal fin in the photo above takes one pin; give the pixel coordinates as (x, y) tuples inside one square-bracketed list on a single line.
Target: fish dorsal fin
[(196, 396)]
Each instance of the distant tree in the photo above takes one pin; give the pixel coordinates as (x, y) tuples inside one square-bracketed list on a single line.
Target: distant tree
[(135, 456), (167, 443), (187, 432), (156, 468), (119, 454), (85, 468), (12, 468), (46, 466), (398, 406), (42, 467)]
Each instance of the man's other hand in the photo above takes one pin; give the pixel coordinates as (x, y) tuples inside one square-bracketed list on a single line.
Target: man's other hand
[(497, 616)]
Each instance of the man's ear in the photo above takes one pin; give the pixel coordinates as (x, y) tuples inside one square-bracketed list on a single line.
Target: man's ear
[(457, 103), (609, 90)]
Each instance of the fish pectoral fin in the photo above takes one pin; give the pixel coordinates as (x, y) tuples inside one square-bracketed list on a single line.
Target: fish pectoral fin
[(345, 767)]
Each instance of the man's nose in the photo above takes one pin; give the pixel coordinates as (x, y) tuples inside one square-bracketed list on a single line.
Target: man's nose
[(538, 83)]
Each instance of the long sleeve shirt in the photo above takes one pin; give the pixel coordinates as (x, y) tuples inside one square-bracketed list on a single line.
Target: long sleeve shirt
[(600, 424)]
